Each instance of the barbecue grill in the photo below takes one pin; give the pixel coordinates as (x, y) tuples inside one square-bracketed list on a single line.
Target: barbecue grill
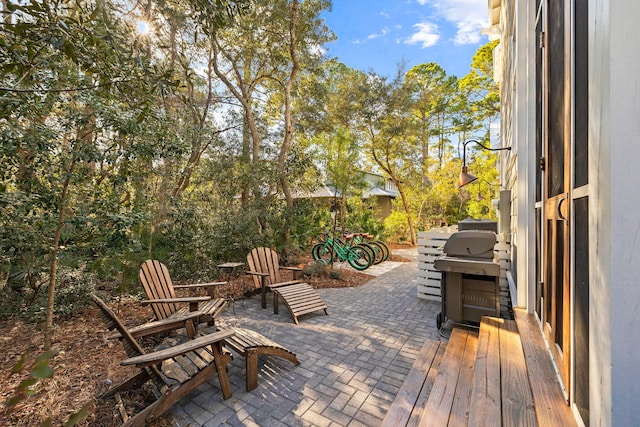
[(470, 285)]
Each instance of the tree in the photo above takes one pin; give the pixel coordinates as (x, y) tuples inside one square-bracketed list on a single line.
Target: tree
[(431, 92), (384, 122), (479, 90), (76, 87), (259, 64)]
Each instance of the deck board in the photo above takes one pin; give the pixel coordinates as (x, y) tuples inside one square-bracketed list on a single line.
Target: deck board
[(501, 376), (550, 404), (460, 409), (517, 400), (486, 403), (409, 393), (421, 402), (438, 408)]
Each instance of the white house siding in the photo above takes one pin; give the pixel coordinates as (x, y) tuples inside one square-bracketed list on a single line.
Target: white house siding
[(614, 190), (517, 131), (615, 204)]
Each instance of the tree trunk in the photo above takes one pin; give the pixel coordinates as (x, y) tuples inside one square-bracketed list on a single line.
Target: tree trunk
[(48, 331), (407, 210), (288, 120), (424, 146), (245, 159)]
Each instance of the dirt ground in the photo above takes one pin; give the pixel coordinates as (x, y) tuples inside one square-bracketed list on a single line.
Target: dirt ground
[(86, 363)]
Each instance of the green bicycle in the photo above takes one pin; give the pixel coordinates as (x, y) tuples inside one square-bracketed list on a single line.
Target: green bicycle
[(330, 250), (377, 248), (381, 249)]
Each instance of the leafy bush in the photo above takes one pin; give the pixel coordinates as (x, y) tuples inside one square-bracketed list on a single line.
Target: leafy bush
[(396, 226), (335, 274), (361, 217), (308, 220), (73, 293), (321, 269), (314, 269)]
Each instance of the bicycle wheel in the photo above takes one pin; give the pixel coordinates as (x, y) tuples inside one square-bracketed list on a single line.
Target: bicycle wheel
[(358, 257), (321, 253), (385, 250), (372, 252), (378, 252)]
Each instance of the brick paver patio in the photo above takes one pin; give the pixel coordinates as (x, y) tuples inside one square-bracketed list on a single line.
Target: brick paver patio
[(352, 361)]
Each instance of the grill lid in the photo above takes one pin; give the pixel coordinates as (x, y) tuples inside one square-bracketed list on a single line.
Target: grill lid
[(471, 244), (481, 267)]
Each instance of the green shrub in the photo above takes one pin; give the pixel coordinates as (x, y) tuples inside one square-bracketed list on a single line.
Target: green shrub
[(335, 274), (361, 217), (396, 226), (314, 269), (73, 293)]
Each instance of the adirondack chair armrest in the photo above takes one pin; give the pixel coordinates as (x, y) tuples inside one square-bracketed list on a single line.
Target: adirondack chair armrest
[(200, 285), (281, 284), (193, 301), (160, 326), (178, 350), (174, 300), (257, 273), (295, 270)]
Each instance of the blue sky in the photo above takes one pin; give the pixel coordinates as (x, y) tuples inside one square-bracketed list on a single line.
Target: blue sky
[(378, 34)]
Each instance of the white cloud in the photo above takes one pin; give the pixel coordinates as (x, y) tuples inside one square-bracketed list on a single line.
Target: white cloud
[(468, 32), (460, 10), (427, 35), (318, 50), (469, 16), (382, 33)]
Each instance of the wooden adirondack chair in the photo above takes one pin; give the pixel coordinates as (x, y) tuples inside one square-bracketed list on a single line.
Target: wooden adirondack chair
[(298, 296), (173, 372), (156, 281)]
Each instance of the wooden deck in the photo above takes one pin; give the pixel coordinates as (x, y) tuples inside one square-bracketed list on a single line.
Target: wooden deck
[(499, 376)]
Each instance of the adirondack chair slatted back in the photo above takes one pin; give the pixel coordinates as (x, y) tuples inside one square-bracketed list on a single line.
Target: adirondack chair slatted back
[(130, 344), (264, 260), (156, 281)]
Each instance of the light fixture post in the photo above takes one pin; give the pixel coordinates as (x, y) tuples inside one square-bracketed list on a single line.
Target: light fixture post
[(465, 177)]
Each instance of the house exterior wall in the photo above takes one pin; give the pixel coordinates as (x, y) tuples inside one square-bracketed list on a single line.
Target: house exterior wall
[(613, 191), (615, 126), (518, 132), (599, 176), (383, 207)]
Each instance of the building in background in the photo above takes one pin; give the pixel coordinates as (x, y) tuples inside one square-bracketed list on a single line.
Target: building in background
[(378, 191)]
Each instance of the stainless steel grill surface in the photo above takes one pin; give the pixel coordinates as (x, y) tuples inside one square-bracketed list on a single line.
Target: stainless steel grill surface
[(470, 287), (469, 251)]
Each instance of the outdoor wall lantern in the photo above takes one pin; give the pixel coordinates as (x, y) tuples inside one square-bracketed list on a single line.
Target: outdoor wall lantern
[(465, 177)]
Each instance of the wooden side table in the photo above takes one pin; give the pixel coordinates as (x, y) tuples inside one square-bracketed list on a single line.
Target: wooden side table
[(229, 268)]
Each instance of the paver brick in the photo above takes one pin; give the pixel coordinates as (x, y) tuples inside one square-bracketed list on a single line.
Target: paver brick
[(367, 418), (336, 416), (353, 361), (316, 419), (358, 398)]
